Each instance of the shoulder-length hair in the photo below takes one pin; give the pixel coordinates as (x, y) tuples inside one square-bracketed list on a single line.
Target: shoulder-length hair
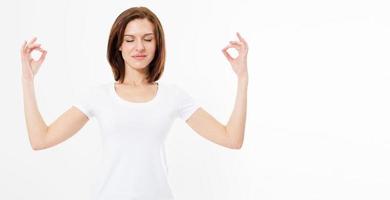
[(114, 56)]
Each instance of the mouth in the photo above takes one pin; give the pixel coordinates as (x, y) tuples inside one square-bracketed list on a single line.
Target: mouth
[(139, 57)]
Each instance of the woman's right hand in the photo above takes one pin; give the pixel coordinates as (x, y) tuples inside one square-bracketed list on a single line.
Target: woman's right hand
[(30, 66)]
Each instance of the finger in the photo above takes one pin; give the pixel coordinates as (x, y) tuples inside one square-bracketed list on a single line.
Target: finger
[(227, 55), (237, 43), (241, 38), (31, 47), (35, 49), (227, 47), (43, 56), (238, 35), (40, 49), (32, 41), (23, 47), (236, 46), (29, 43), (239, 46)]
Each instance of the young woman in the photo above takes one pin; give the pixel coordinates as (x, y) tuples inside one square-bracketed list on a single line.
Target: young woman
[(135, 112)]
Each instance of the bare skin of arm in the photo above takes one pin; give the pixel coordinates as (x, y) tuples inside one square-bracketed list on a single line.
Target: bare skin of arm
[(40, 134), (230, 135)]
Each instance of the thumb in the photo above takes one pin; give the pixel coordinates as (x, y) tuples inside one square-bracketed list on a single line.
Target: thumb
[(43, 56), (227, 55)]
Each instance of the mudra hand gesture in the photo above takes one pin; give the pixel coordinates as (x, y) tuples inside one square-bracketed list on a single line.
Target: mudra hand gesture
[(30, 66), (239, 64)]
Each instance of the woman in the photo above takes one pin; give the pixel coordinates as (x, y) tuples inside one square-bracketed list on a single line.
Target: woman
[(134, 113)]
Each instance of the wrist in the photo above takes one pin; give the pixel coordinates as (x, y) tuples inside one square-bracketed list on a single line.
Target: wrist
[(243, 78), (27, 82)]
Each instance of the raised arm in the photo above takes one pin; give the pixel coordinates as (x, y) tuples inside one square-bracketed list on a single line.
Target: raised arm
[(230, 135), (40, 135)]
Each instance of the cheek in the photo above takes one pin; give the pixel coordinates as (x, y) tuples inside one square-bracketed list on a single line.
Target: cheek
[(151, 47), (127, 46)]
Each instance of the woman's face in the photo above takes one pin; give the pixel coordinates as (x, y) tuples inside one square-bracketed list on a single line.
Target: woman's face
[(139, 44)]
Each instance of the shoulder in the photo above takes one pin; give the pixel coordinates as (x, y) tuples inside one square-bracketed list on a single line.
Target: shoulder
[(94, 89), (170, 87), (178, 92)]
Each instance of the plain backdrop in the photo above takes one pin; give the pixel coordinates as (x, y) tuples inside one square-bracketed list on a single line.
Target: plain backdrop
[(318, 97)]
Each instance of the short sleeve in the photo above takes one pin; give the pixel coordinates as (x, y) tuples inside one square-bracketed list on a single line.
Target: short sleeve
[(83, 100), (186, 104)]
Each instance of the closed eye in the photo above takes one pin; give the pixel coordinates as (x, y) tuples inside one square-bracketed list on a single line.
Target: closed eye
[(149, 40)]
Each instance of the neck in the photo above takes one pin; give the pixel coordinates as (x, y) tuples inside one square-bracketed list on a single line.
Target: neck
[(135, 77), (135, 83)]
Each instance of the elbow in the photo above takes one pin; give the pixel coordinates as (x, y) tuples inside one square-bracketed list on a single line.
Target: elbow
[(235, 142), (36, 147), (38, 142), (236, 145), (235, 138)]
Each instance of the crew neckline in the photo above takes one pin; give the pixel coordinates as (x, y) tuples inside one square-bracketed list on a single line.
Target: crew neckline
[(127, 102)]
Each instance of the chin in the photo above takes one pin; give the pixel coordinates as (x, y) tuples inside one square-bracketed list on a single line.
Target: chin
[(138, 65)]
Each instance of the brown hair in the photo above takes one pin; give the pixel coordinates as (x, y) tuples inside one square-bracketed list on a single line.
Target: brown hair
[(114, 56)]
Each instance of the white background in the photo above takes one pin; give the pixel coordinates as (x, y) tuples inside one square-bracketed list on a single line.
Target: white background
[(318, 98)]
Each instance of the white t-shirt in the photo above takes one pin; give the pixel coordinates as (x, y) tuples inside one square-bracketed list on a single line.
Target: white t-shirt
[(133, 135)]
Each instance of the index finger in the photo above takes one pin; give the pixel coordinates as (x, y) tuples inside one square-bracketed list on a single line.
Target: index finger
[(23, 46), (32, 41)]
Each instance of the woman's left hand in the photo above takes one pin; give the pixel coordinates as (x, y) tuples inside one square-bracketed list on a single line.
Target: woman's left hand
[(239, 64)]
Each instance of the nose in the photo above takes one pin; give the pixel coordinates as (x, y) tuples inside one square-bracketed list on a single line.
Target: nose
[(140, 46)]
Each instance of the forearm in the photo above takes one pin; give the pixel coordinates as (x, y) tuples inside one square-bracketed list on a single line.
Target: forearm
[(36, 126), (236, 125)]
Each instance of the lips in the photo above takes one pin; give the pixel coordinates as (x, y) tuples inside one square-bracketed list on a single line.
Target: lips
[(139, 56)]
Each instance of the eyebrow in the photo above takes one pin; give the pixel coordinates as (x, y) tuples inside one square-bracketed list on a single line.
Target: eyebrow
[(143, 35)]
